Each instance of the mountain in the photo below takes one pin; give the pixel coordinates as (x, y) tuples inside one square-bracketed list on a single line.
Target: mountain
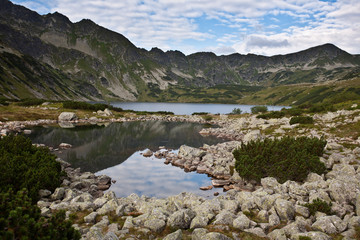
[(48, 56)]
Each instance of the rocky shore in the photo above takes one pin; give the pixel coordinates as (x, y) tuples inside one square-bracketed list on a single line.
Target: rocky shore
[(268, 210)]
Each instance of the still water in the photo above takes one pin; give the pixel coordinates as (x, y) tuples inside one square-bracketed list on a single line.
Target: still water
[(187, 108), (115, 150)]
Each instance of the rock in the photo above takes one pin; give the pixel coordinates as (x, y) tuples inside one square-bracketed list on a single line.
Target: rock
[(99, 202), (224, 217), (329, 225), (242, 222), (252, 135), (65, 146), (206, 188), (277, 234), (108, 207), (220, 183), (174, 236), (67, 116), (357, 205), (58, 194), (148, 153), (27, 131), (301, 210), (312, 236), (43, 193), (257, 231), (110, 236), (94, 234), (104, 180), (155, 225), (91, 217), (199, 234), (216, 236), (190, 152), (181, 219), (128, 223), (284, 209), (199, 222), (333, 146), (45, 212)]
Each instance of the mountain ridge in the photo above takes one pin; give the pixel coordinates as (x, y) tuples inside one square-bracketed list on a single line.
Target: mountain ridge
[(48, 56)]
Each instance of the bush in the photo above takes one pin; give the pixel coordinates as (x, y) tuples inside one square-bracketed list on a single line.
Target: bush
[(23, 165), (236, 111), (319, 205), (200, 113), (284, 159), (259, 109), (317, 108), (30, 102), (301, 120), (293, 111), (19, 219), (273, 114), (3, 102), (88, 106), (207, 118)]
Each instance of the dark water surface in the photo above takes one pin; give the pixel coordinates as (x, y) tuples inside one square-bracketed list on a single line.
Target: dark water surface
[(114, 150)]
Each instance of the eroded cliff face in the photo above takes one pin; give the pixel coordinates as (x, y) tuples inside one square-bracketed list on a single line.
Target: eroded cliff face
[(50, 57)]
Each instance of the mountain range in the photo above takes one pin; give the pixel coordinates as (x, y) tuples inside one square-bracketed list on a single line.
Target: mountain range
[(50, 57)]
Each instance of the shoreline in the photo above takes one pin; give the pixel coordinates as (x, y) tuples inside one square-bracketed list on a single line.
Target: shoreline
[(255, 210)]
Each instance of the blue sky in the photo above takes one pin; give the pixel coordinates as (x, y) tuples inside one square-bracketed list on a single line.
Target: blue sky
[(266, 27)]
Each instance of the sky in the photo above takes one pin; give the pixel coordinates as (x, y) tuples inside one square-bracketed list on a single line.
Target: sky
[(264, 27)]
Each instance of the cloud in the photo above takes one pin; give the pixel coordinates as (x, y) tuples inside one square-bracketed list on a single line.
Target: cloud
[(194, 25), (261, 42)]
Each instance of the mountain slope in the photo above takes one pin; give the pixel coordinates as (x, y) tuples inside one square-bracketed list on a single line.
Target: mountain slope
[(50, 57)]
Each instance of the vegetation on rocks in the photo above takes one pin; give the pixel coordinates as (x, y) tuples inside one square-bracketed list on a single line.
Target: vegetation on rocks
[(284, 159), (20, 219), (272, 114), (23, 165), (25, 169), (319, 205), (236, 111)]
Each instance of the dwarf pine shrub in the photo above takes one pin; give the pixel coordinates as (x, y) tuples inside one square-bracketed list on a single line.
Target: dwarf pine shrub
[(319, 205), (272, 114), (259, 109), (23, 165), (301, 120), (284, 159)]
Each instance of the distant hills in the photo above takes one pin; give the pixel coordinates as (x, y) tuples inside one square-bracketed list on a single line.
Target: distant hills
[(48, 56)]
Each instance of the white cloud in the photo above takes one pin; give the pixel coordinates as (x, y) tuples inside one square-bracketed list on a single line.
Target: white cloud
[(168, 24)]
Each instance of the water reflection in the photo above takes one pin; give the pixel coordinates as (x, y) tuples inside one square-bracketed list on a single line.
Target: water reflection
[(115, 150)]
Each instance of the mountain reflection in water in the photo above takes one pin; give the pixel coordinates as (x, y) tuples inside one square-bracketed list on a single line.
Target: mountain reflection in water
[(103, 149)]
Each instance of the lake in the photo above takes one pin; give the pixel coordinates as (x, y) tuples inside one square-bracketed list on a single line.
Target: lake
[(187, 108), (115, 150)]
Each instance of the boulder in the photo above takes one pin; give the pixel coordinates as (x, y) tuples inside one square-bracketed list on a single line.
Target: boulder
[(284, 209), (67, 116), (224, 217), (199, 234), (199, 222), (148, 153), (174, 236), (277, 234), (312, 235), (216, 236), (94, 234), (190, 152), (242, 222), (181, 219), (110, 236), (329, 225), (58, 194), (155, 225), (91, 217), (44, 193)]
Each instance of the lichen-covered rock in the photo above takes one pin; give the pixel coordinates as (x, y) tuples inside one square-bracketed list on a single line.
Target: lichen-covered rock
[(67, 116), (108, 207), (181, 219), (199, 222), (224, 218), (242, 222), (174, 236), (58, 194), (91, 217), (312, 235), (110, 236), (277, 234), (199, 234), (257, 231), (284, 209), (330, 224), (94, 234), (155, 225), (190, 152), (216, 236)]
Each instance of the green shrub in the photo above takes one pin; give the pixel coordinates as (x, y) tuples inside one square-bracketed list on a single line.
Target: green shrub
[(23, 165), (323, 107), (272, 114), (19, 219), (88, 106), (284, 159), (4, 102), (259, 109), (319, 205), (30, 102), (207, 118), (236, 111), (199, 113), (302, 120)]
